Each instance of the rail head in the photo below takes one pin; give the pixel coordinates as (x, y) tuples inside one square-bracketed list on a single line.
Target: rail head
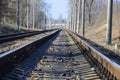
[(99, 53), (109, 64), (13, 57), (11, 37)]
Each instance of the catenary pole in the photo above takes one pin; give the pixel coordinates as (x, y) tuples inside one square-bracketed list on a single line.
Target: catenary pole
[(33, 14), (83, 18), (18, 15), (109, 22)]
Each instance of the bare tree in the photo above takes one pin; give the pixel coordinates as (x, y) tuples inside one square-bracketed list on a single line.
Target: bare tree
[(8, 12), (89, 4)]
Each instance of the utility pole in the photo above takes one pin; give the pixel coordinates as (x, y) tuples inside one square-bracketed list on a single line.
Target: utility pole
[(74, 15), (27, 14), (33, 14), (45, 18), (83, 18), (76, 12), (109, 22), (71, 25), (71, 20), (79, 15), (18, 15)]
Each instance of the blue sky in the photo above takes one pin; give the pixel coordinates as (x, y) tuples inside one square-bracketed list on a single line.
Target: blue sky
[(58, 7)]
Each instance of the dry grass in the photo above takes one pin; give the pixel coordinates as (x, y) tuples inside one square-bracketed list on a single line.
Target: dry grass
[(98, 34), (102, 28), (11, 29)]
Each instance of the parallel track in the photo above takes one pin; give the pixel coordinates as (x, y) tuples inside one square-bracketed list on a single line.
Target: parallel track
[(11, 37)]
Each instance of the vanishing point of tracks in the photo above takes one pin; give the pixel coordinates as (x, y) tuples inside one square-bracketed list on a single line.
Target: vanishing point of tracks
[(60, 58)]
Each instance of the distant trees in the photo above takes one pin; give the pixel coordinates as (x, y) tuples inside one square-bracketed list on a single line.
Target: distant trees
[(31, 12), (7, 11), (95, 11), (89, 4)]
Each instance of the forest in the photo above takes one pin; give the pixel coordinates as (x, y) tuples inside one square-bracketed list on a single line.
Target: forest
[(95, 11), (29, 13), (96, 20)]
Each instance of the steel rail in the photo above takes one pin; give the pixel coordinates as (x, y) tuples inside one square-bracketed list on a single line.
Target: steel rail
[(6, 38), (13, 57), (109, 64)]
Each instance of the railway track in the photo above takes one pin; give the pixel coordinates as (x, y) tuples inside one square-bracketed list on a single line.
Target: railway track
[(11, 37), (60, 58), (13, 57), (63, 61), (107, 52), (10, 42), (105, 61)]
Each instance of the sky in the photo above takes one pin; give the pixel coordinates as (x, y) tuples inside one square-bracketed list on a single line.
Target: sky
[(58, 7)]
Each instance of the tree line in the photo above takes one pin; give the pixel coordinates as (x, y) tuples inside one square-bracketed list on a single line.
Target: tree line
[(95, 12), (32, 13)]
